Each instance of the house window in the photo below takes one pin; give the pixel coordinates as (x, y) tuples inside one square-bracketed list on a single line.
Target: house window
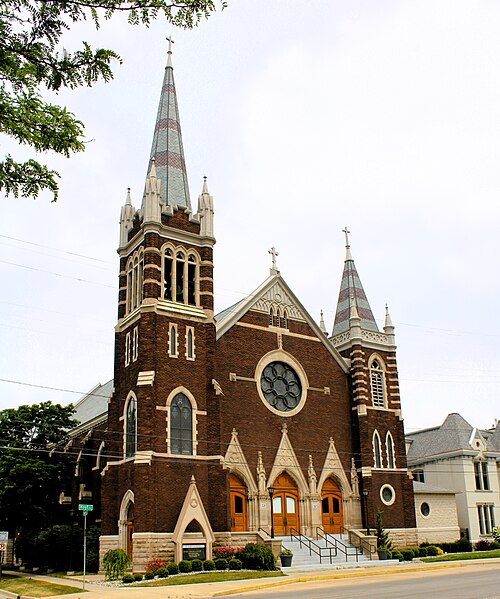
[(130, 428), (180, 276), (389, 448), (481, 476), (190, 343), (181, 425), (418, 475), (377, 384), (377, 451), (486, 516), (127, 349), (172, 341), (135, 344)]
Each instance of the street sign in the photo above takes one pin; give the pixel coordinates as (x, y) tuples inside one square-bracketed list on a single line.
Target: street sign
[(83, 507), (4, 536)]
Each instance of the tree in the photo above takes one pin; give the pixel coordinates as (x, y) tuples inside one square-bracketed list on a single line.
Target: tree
[(383, 539), (32, 474), (31, 59)]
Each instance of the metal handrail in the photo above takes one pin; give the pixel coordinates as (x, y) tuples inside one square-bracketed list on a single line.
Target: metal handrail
[(368, 547), (264, 530), (337, 544), (311, 545)]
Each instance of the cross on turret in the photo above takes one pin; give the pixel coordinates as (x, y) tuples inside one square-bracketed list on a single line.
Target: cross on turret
[(274, 253)]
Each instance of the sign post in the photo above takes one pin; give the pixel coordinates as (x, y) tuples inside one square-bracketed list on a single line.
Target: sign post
[(85, 508), (4, 537)]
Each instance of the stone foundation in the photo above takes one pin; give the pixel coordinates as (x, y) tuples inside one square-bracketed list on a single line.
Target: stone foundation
[(445, 534)]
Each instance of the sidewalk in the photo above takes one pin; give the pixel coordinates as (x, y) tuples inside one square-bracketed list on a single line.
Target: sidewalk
[(220, 589)]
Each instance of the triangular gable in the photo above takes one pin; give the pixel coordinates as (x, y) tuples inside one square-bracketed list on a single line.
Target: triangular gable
[(236, 462), (286, 460), (333, 467), (274, 290)]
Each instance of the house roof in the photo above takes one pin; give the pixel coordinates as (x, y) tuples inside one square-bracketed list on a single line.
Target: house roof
[(419, 487), (94, 403)]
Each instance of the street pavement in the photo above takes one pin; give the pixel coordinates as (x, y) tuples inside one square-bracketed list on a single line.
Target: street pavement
[(220, 589)]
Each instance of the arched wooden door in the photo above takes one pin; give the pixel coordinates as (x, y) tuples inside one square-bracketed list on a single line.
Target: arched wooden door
[(130, 530), (285, 505), (331, 507), (238, 500)]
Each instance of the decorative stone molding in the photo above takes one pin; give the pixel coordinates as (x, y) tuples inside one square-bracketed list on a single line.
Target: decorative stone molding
[(275, 297), (286, 460), (236, 462)]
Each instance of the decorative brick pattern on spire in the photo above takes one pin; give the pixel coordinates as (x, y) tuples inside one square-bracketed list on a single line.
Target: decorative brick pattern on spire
[(167, 149), (351, 287)]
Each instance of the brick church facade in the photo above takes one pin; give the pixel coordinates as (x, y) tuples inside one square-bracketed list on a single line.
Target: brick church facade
[(208, 413)]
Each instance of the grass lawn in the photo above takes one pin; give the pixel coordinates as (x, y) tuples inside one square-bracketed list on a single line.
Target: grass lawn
[(208, 577), (34, 588), (453, 557)]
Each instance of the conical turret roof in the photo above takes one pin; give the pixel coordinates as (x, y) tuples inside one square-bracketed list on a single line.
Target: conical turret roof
[(352, 295), (167, 150)]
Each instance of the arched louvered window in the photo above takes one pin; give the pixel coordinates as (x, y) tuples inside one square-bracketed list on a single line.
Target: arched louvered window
[(377, 451), (285, 319), (181, 276), (377, 384), (130, 427), (181, 425), (389, 449), (271, 316)]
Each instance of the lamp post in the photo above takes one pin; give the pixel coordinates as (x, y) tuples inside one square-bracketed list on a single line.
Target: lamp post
[(271, 493), (365, 497)]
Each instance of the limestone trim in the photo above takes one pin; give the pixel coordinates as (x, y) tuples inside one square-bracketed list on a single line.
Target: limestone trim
[(157, 454), (332, 468), (279, 355), (236, 462), (286, 461), (275, 330), (127, 499), (98, 456), (192, 509), (194, 420), (390, 488), (130, 397)]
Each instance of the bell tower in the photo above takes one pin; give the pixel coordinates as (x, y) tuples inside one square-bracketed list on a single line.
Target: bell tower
[(164, 348), (376, 405)]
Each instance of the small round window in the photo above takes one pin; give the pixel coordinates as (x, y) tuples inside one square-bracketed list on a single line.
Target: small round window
[(281, 386), (387, 494), (425, 509)]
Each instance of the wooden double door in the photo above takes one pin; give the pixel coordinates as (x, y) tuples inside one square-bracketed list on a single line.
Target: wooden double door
[(238, 500), (331, 507), (285, 505)]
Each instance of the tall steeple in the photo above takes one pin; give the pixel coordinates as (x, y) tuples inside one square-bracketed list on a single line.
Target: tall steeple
[(167, 150), (352, 297)]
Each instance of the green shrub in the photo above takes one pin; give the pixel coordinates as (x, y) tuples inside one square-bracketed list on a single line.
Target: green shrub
[(127, 578), (422, 552), (220, 563), (164, 572), (258, 557), (397, 555), (196, 565), (416, 552), (432, 551), (235, 564), (138, 577), (463, 546), (496, 534), (407, 554), (149, 575), (172, 568), (208, 565), (484, 545), (383, 539), (185, 566), (389, 554), (115, 562)]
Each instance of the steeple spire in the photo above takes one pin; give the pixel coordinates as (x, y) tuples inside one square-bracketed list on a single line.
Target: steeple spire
[(352, 299), (167, 150)]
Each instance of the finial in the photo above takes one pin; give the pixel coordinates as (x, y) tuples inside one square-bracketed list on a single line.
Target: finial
[(322, 322), (388, 319), (205, 185), (169, 52), (128, 201), (354, 308), (274, 253), (346, 232)]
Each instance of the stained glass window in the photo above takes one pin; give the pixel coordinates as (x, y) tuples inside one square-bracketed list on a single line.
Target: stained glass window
[(181, 425), (281, 386), (130, 429)]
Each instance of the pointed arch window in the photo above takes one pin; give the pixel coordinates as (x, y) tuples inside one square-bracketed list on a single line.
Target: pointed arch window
[(190, 343), (135, 281), (172, 341), (130, 427), (271, 316), (389, 450), (181, 276), (278, 317), (285, 319), (377, 384), (181, 425), (377, 451)]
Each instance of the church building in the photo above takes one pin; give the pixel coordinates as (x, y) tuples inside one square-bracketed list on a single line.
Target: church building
[(230, 428)]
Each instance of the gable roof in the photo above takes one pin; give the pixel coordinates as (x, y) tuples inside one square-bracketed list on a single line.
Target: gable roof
[(94, 404), (261, 299)]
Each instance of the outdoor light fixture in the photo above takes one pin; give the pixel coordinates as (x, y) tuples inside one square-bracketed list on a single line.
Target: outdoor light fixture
[(365, 494), (270, 490)]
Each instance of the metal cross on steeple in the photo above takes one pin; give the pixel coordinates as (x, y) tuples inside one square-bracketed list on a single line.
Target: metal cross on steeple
[(346, 233), (169, 52), (274, 253)]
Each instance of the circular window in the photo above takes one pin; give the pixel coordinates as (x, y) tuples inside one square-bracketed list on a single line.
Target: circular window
[(281, 386), (425, 509), (387, 494)]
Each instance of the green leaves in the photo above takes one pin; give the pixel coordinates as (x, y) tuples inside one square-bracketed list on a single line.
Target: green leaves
[(31, 60)]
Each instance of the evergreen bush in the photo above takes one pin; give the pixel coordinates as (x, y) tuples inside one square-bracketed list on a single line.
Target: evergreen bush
[(397, 555), (432, 550), (164, 572), (258, 557), (422, 552), (407, 554), (185, 566), (149, 575), (172, 568), (235, 564), (138, 577), (127, 578), (220, 563), (196, 565), (383, 539), (208, 565)]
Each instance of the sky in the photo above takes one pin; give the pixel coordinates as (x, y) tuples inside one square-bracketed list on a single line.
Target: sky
[(306, 117)]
